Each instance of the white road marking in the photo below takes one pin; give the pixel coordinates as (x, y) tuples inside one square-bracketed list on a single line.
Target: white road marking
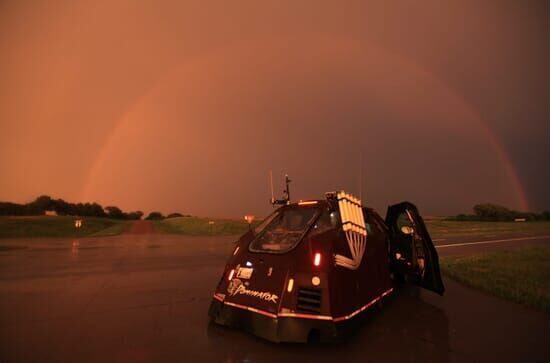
[(493, 241)]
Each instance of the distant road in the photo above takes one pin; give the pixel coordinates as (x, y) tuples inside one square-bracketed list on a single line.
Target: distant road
[(141, 227)]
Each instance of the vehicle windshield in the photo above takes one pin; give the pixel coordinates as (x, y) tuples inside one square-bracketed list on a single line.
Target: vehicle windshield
[(282, 231)]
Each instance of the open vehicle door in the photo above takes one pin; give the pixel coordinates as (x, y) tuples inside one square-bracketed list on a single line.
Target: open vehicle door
[(412, 252)]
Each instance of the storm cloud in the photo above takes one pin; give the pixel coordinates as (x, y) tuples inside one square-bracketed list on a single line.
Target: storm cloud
[(187, 105)]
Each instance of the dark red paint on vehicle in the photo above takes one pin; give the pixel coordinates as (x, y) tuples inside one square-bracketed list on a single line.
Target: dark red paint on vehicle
[(254, 293)]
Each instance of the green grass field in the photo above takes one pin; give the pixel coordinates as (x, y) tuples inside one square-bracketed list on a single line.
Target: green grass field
[(438, 228), (196, 226), (64, 227), (42, 226), (521, 275), (444, 229)]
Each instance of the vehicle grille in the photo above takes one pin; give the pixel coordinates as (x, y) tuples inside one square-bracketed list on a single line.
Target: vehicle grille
[(309, 300)]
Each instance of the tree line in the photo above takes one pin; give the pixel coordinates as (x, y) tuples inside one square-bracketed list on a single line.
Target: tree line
[(44, 203), (159, 215), (498, 213)]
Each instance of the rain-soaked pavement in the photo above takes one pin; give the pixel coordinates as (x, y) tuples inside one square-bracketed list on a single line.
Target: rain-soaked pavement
[(143, 297)]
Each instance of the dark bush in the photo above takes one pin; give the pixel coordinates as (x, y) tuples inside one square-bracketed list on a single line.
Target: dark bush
[(134, 215), (114, 212), (174, 215), (39, 205), (462, 217), (12, 209), (155, 216), (493, 212)]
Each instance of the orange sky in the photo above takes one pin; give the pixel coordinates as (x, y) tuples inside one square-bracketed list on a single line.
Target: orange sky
[(183, 106)]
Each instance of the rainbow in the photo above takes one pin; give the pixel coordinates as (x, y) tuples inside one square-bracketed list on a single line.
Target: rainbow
[(352, 46)]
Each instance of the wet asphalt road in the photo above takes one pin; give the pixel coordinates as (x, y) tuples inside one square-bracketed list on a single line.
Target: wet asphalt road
[(143, 297)]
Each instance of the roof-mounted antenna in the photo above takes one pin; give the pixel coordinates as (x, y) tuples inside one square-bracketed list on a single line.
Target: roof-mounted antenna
[(286, 192), (361, 178), (271, 183)]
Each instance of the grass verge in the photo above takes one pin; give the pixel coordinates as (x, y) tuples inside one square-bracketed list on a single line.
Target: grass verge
[(28, 227), (446, 229), (521, 275), (438, 228), (195, 226)]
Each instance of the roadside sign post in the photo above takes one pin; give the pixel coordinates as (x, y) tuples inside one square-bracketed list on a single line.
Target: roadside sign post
[(249, 218)]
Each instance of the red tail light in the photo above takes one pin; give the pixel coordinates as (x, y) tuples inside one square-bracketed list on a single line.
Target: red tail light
[(317, 259)]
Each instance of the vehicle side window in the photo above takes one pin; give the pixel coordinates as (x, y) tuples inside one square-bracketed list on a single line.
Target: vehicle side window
[(372, 224), (403, 220), (326, 221)]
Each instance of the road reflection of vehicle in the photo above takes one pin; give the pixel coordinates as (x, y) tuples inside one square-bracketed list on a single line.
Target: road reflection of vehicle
[(311, 268), (406, 329)]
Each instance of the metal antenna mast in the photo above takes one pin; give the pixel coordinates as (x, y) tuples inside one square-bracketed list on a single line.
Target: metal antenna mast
[(271, 182), (286, 192), (361, 178)]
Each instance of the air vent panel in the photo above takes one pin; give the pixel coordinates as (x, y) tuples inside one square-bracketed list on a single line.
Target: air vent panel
[(309, 300)]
